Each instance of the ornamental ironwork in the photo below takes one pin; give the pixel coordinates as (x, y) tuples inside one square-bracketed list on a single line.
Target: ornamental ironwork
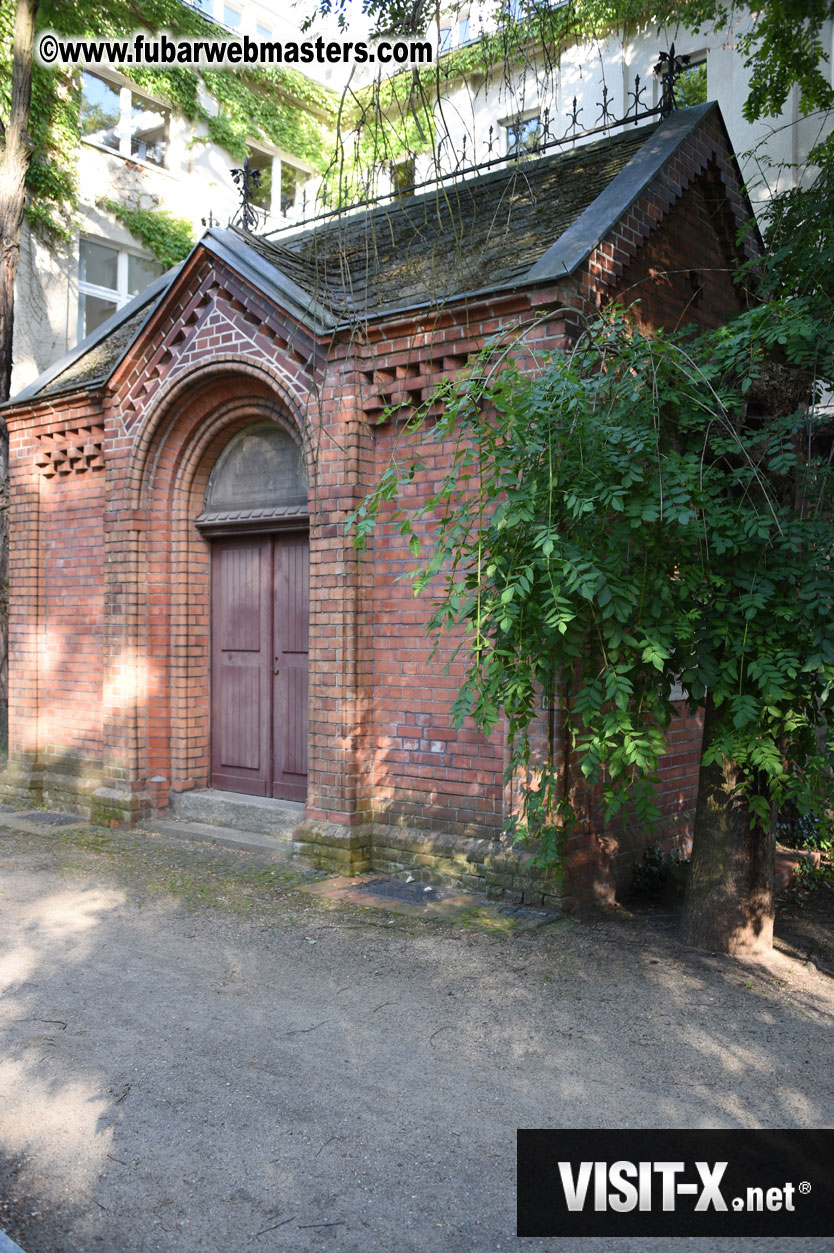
[(449, 163), (247, 181)]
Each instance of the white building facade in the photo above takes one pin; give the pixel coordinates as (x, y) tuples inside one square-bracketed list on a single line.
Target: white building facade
[(501, 106), (136, 150)]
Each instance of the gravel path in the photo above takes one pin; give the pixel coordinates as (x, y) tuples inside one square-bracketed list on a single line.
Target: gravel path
[(196, 1056)]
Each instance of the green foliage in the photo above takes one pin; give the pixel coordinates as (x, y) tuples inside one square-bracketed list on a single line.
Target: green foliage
[(385, 121), (170, 239), (784, 50), (800, 240), (402, 18), (782, 44), (652, 872), (691, 86), (275, 104), (52, 180), (53, 127), (796, 829), (613, 522)]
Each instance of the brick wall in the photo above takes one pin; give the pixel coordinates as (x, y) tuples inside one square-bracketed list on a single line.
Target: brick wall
[(56, 578), (684, 273), (111, 618)]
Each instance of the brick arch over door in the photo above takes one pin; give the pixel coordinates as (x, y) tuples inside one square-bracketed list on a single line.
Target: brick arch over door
[(170, 473)]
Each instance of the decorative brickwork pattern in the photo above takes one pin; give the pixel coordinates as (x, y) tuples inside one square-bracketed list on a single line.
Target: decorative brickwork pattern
[(111, 608), (72, 451)]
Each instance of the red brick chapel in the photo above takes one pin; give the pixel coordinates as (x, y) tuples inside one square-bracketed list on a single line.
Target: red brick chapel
[(188, 611)]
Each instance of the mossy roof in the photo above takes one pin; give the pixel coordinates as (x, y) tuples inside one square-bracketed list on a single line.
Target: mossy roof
[(531, 222), (468, 236)]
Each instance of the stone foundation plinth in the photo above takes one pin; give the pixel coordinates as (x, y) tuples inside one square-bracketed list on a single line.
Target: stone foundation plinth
[(490, 866)]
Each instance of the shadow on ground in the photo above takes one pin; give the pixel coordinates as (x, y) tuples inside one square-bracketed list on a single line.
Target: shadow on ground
[(199, 1056)]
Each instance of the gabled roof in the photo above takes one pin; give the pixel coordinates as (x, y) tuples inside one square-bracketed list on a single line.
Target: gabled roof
[(531, 222), (94, 359)]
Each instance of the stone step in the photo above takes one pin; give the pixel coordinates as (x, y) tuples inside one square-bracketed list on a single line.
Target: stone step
[(269, 846), (260, 814)]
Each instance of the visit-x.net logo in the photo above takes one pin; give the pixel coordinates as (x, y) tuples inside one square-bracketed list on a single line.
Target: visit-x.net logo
[(675, 1183)]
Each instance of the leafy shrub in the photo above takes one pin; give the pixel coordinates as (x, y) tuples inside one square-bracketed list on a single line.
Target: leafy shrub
[(653, 872)]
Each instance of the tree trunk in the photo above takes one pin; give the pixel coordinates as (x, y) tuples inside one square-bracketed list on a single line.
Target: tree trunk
[(728, 906), (14, 163)]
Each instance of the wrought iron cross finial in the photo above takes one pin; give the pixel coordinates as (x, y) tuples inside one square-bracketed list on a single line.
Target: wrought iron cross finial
[(606, 117), (246, 180), (573, 116), (636, 98), (673, 67)]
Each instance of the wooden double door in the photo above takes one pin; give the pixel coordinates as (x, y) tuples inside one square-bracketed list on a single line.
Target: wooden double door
[(259, 627)]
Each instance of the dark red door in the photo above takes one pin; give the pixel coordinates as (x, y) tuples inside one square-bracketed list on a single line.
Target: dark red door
[(259, 665), (290, 626)]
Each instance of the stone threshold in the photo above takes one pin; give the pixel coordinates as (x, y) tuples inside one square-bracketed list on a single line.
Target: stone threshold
[(224, 837)]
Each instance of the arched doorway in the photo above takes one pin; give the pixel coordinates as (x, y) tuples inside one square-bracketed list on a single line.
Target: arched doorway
[(255, 517)]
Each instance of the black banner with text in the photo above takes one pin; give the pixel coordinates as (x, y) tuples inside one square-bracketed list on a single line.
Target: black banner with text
[(675, 1183)]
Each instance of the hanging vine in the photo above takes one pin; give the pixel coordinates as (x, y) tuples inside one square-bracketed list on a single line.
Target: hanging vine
[(170, 239)]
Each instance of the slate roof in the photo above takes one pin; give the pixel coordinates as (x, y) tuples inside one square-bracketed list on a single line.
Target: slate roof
[(483, 232), (92, 361), (96, 364), (531, 222)]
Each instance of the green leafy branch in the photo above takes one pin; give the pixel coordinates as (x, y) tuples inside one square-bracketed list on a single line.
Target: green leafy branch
[(612, 522), (170, 239)]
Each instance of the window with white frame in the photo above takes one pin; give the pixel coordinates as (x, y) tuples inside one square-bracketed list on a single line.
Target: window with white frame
[(122, 120), (262, 194), (524, 134), (292, 196), (107, 278)]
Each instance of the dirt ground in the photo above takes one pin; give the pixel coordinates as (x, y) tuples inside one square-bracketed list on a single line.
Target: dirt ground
[(199, 1056)]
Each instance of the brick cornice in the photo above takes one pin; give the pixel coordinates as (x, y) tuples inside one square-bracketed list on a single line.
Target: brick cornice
[(62, 409)]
